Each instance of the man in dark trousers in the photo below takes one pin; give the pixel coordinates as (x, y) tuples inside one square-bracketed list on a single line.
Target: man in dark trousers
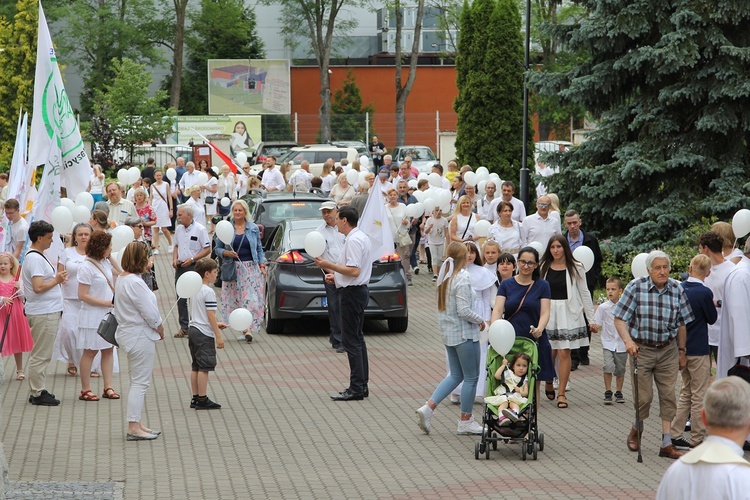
[(350, 274), (576, 237)]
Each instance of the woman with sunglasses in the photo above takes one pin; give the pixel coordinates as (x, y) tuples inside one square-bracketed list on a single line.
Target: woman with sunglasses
[(524, 301), (138, 229)]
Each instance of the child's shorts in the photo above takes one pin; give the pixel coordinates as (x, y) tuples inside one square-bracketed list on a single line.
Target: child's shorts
[(202, 350), (614, 362)]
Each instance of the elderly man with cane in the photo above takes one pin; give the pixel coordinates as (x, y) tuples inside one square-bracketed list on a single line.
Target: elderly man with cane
[(653, 312)]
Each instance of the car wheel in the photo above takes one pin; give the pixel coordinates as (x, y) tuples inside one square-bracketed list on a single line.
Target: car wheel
[(398, 325), (273, 326)]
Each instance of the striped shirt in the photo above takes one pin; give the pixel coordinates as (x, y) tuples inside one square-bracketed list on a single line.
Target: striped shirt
[(459, 322), (653, 315), (199, 306)]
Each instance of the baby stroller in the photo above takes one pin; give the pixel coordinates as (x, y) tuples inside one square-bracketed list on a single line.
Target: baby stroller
[(526, 429)]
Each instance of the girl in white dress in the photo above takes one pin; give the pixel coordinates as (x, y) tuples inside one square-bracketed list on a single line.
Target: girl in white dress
[(194, 198), (505, 230), (210, 189), (161, 203), (96, 184)]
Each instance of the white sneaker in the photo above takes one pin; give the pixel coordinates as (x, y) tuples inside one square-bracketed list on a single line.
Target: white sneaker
[(424, 417), (455, 399), (467, 427), (568, 387), (478, 400), (556, 383), (171, 248), (155, 252), (510, 415)]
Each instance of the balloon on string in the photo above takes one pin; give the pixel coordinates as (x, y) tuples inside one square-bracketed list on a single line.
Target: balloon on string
[(638, 266), (364, 161), (430, 194), (240, 319), (202, 178), (444, 198), (412, 184), (435, 180), (62, 219), (741, 223), (481, 186), (84, 199), (446, 209), (225, 202), (117, 257), (422, 175), (420, 196), (429, 205), (225, 232), (585, 256), (482, 228), (171, 174), (352, 176), (123, 176), (315, 244), (241, 158), (362, 175), (81, 214), (417, 209), (502, 335), (121, 236), (483, 174), (494, 177), (538, 247), (470, 178), (67, 203), (215, 169), (134, 173), (188, 285)]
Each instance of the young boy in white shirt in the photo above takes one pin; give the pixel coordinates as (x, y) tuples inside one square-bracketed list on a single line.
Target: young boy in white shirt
[(436, 229), (613, 347), (204, 335)]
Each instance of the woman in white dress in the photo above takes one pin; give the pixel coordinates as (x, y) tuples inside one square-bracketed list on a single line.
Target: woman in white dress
[(400, 224), (95, 291), (329, 178), (461, 228), (227, 188), (194, 198), (505, 230), (209, 190), (342, 193), (96, 184), (161, 203)]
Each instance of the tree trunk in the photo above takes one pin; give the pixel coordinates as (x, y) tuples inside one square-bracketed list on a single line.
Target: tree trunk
[(324, 113), (402, 92), (180, 6)]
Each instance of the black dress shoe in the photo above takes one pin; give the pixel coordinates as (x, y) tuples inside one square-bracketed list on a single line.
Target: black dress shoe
[(585, 361), (574, 367), (348, 396)]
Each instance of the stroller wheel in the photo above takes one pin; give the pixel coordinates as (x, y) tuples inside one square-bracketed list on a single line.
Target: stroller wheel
[(494, 442), (476, 450), (523, 451), (533, 450), (487, 452), (541, 441)]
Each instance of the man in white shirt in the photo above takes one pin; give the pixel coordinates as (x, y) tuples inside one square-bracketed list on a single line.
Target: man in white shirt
[(272, 178), (484, 203), (17, 229), (191, 243), (350, 275), (383, 184), (540, 226), (44, 305), (242, 177), (734, 336), (334, 246), (301, 180), (519, 209), (715, 469), (710, 244), (188, 179), (119, 208)]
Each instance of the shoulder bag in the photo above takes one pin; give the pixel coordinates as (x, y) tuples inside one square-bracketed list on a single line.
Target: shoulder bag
[(108, 325), (739, 370), (228, 266)]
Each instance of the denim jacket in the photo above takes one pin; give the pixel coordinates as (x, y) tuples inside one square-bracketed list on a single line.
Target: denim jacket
[(252, 235)]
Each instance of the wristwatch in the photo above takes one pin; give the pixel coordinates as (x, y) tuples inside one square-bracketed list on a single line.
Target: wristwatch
[(682, 349)]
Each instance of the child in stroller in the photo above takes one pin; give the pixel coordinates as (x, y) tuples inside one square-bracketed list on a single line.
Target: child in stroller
[(512, 391)]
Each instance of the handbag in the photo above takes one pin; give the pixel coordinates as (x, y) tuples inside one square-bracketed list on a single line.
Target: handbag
[(154, 284), (404, 239), (210, 200), (228, 267), (741, 371), (107, 328)]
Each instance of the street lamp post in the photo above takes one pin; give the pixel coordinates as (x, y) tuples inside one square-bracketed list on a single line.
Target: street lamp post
[(524, 180)]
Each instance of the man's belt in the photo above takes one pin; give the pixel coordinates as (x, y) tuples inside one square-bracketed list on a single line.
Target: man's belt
[(661, 345)]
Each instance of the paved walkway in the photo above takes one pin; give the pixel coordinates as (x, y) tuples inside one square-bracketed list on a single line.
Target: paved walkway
[(278, 434)]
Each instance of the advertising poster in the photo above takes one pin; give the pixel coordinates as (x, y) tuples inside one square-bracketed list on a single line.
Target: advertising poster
[(244, 130), (249, 86)]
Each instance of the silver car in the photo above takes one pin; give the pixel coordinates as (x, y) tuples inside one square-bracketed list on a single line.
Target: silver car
[(422, 157)]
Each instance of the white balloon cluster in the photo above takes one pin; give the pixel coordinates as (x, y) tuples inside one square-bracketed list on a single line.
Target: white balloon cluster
[(70, 212), (128, 176)]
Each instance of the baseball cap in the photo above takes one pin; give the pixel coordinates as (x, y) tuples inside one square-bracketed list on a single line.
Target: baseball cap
[(328, 205)]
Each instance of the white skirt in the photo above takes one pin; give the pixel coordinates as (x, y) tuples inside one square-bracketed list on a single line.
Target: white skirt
[(565, 329), (90, 340)]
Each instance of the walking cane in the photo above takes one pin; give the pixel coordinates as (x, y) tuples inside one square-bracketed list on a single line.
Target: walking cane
[(637, 407)]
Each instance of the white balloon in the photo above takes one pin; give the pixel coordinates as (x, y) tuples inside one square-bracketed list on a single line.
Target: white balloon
[(121, 236), (470, 178), (412, 184), (362, 175), (482, 228), (215, 169), (123, 177), (62, 219), (171, 174), (117, 257), (315, 243), (494, 177), (429, 205), (444, 198), (483, 172), (435, 180), (502, 336), (422, 175), (134, 173), (446, 209), (225, 202), (84, 199), (364, 161), (415, 210), (81, 214), (352, 176), (225, 232), (482, 186), (585, 256), (202, 179), (741, 223), (241, 158), (420, 196), (67, 203), (240, 319), (538, 247), (638, 266), (188, 285)]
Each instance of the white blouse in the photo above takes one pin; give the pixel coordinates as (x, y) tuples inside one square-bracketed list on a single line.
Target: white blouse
[(136, 309)]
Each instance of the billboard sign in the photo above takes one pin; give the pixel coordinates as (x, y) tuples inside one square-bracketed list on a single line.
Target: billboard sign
[(244, 130), (249, 86)]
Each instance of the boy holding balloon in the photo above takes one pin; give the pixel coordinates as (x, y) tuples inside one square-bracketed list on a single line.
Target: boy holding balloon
[(204, 335)]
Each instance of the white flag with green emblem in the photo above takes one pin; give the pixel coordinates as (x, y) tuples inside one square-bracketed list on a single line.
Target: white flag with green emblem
[(53, 115)]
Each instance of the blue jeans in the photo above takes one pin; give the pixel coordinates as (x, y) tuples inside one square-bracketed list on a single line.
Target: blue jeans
[(463, 360)]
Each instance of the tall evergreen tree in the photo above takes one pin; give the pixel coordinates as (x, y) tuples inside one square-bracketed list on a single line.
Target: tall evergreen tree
[(348, 120), (221, 29), (669, 83), (490, 77)]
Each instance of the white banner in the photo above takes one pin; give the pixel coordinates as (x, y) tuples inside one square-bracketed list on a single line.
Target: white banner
[(374, 223), (53, 115)]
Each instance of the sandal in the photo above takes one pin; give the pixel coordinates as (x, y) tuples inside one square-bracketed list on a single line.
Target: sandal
[(72, 370), (110, 393), (20, 375), (88, 396), (562, 403), (550, 393), (94, 375), (248, 336)]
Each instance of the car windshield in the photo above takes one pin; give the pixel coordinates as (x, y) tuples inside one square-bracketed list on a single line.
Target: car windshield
[(276, 150), (275, 212), (417, 154)]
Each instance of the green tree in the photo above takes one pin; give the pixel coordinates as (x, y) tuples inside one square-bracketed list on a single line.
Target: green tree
[(221, 29), (348, 120), (125, 110), (97, 31), (668, 81), (17, 63), (490, 87)]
